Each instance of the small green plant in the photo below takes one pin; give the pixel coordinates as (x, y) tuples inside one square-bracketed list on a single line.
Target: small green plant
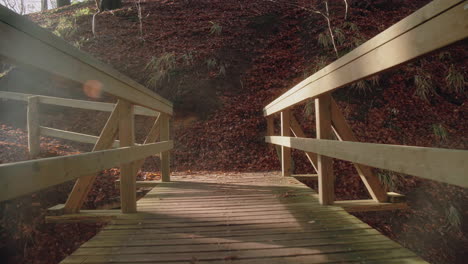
[(160, 68), (339, 36), (320, 63), (358, 40), (424, 86), (455, 80), (216, 28), (453, 218), (364, 86), (388, 179), (80, 42), (65, 27), (309, 108), (324, 40), (187, 58), (211, 63), (445, 55), (83, 12), (222, 69), (351, 26), (440, 131)]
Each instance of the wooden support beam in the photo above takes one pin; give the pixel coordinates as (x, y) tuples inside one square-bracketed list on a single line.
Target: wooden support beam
[(84, 184), (326, 179), (34, 141), (39, 174), (141, 184), (73, 136), (85, 216), (165, 156), (306, 176), (444, 165), (345, 133), (298, 132), (127, 170), (285, 151), (74, 103), (271, 132), (354, 206), (436, 25)]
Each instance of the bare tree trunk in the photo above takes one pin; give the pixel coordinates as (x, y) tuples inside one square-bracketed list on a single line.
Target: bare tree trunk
[(44, 5)]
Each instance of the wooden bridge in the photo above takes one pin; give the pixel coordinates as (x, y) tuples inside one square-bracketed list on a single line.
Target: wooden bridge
[(241, 218)]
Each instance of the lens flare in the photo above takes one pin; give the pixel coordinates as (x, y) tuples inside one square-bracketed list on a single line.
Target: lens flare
[(93, 88)]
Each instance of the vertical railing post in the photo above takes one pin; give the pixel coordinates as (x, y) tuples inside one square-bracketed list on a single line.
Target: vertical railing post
[(326, 177), (34, 144), (285, 151), (127, 171), (165, 158)]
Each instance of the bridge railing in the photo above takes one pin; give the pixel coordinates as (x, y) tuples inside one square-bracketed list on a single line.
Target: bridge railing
[(434, 26), (24, 43)]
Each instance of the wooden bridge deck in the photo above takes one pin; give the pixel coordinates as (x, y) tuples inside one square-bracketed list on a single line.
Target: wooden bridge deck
[(239, 218)]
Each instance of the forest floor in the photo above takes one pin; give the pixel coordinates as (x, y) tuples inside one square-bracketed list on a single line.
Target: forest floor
[(221, 62)]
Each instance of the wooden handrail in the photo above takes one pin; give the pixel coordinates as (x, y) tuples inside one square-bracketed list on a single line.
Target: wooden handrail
[(26, 43), (444, 165), (434, 26), (25, 177), (73, 103)]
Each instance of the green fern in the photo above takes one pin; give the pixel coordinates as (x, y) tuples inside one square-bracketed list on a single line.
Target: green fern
[(83, 12), (65, 27), (339, 36), (160, 68), (455, 80), (216, 28), (388, 179), (324, 40), (453, 218), (364, 86), (309, 108), (440, 131), (445, 55), (424, 86), (187, 58), (211, 63), (351, 26)]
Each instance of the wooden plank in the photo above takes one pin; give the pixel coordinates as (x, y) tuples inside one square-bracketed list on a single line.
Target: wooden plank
[(74, 103), (345, 133), (306, 176), (34, 141), (73, 136), (39, 174), (223, 247), (98, 256), (141, 184), (286, 169), (28, 44), (444, 165), (127, 170), (436, 25), (298, 132), (333, 238), (236, 231), (369, 205), (326, 177), (84, 184), (165, 156)]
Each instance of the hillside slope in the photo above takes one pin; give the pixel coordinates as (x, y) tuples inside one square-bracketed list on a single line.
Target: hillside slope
[(222, 61)]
